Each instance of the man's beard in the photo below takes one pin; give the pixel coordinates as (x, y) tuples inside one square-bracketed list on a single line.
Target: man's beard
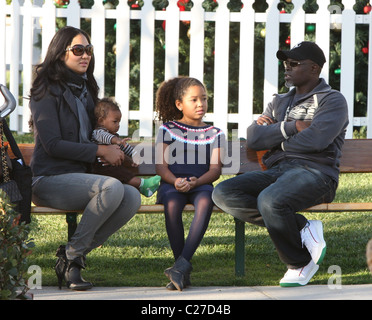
[(288, 84)]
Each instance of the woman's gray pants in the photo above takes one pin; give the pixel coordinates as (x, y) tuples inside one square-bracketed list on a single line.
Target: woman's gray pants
[(107, 205)]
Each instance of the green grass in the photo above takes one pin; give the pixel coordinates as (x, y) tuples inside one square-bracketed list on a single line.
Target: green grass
[(138, 253)]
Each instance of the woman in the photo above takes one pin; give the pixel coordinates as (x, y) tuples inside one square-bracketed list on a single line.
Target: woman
[(63, 97)]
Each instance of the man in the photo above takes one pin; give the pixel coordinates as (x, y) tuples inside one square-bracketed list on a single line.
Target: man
[(304, 131)]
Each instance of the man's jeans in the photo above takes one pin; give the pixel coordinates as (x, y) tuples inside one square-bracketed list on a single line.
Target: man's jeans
[(278, 193), (107, 205)]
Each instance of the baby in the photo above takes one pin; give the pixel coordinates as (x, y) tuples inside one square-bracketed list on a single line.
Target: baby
[(108, 116)]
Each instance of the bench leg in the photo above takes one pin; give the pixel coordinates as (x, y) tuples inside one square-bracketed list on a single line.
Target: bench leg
[(71, 219), (239, 247)]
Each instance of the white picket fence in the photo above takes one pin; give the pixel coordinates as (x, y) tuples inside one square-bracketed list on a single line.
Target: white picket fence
[(20, 22)]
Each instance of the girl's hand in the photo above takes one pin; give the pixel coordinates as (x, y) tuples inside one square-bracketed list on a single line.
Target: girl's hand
[(182, 185), (192, 182)]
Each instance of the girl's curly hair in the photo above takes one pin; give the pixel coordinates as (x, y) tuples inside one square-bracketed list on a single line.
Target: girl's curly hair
[(169, 92)]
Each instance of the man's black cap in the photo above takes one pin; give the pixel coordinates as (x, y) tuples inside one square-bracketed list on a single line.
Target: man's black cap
[(303, 51)]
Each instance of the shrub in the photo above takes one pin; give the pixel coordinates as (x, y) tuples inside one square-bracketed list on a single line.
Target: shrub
[(14, 249)]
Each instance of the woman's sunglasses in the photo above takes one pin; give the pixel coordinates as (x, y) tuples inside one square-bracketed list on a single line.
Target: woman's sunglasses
[(79, 49)]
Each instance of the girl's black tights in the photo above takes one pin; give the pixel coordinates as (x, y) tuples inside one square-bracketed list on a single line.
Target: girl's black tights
[(173, 206)]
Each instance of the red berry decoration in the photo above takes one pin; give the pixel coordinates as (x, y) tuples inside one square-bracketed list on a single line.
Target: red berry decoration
[(367, 8)]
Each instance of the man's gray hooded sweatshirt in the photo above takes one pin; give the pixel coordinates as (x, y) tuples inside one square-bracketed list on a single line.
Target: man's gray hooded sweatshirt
[(319, 145)]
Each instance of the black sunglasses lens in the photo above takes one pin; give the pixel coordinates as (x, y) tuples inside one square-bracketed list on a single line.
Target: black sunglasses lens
[(89, 50), (292, 64), (78, 50)]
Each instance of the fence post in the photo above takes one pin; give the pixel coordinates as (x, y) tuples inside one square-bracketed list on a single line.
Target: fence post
[(369, 98), (73, 14), (271, 47), (14, 60), (197, 41), (322, 34), (221, 65), (3, 38), (123, 63), (146, 64), (348, 60), (172, 32), (246, 63), (48, 26), (298, 22), (98, 40), (27, 49)]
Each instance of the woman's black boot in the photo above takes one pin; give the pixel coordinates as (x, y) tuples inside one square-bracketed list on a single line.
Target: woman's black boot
[(61, 265), (179, 274), (69, 270)]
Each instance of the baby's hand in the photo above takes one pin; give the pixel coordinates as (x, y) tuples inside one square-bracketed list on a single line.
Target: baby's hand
[(124, 141)]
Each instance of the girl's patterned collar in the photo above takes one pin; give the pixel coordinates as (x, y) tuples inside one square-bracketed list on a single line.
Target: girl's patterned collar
[(200, 135), (191, 128)]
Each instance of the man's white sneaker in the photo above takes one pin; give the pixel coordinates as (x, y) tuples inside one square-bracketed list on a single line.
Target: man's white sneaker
[(312, 238), (299, 277)]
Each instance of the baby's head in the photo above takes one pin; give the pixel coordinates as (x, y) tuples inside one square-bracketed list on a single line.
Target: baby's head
[(108, 114)]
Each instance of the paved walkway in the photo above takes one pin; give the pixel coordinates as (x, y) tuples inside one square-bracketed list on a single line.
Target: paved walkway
[(309, 292)]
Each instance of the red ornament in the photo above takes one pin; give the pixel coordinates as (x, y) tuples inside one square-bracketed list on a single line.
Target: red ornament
[(135, 5), (283, 11), (365, 50), (367, 8), (181, 5), (61, 2)]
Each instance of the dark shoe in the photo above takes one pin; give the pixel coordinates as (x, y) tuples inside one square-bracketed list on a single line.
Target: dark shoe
[(69, 270), (187, 283), (179, 273), (61, 265)]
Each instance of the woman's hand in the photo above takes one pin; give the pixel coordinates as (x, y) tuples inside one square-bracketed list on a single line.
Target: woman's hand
[(110, 154)]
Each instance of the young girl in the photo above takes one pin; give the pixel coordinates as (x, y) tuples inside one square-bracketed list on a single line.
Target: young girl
[(188, 161), (108, 116)]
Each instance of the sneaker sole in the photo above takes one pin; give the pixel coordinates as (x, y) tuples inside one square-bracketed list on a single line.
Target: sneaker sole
[(319, 230), (300, 283)]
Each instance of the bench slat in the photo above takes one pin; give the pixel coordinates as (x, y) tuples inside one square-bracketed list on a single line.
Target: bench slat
[(159, 208)]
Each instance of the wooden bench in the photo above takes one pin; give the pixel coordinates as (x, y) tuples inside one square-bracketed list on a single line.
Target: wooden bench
[(356, 159)]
